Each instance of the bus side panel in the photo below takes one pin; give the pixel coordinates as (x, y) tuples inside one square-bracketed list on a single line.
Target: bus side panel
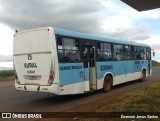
[(123, 71), (137, 69), (139, 65), (129, 70), (71, 78), (115, 68), (149, 61), (102, 68), (144, 64)]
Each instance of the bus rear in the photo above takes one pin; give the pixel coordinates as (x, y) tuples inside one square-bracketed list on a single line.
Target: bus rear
[(34, 52)]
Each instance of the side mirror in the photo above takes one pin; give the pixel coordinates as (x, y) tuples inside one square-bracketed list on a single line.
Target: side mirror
[(153, 53)]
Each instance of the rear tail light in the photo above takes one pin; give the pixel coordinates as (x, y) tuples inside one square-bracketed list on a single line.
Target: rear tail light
[(51, 77)]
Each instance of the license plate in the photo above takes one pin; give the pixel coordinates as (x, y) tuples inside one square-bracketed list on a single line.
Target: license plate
[(32, 77)]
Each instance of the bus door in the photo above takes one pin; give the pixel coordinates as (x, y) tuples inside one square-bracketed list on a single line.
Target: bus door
[(149, 60), (89, 62)]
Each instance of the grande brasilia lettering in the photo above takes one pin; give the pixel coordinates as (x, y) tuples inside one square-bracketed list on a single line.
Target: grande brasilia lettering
[(106, 67), (69, 67), (30, 65)]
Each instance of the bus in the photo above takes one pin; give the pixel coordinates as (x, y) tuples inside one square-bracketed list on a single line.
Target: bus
[(64, 62)]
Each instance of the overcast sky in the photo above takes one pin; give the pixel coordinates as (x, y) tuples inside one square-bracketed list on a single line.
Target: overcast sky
[(111, 18)]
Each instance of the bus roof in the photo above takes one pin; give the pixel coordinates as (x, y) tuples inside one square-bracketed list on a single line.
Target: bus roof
[(69, 33)]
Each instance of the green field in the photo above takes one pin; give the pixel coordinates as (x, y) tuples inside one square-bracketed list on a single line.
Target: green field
[(142, 99), (155, 63), (6, 75)]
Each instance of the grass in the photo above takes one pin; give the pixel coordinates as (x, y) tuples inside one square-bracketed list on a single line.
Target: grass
[(6, 75), (143, 99), (155, 63)]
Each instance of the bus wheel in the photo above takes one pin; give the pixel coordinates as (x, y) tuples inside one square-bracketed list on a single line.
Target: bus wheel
[(108, 82), (143, 75)]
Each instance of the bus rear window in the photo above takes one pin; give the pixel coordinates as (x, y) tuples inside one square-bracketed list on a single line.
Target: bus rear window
[(68, 50), (32, 42)]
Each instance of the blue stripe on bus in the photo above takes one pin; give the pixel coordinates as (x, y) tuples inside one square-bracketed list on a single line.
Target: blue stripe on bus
[(120, 67), (70, 73)]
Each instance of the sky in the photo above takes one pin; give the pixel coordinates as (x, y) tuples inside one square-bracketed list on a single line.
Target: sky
[(111, 18)]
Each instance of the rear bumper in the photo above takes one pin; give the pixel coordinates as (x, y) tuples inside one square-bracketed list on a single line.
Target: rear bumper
[(37, 88)]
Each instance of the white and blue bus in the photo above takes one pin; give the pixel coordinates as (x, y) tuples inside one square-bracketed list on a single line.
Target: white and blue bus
[(64, 62)]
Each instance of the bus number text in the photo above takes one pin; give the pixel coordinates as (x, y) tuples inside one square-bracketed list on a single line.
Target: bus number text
[(106, 67)]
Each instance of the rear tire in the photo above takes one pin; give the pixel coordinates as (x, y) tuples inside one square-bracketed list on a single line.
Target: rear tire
[(143, 76), (108, 82)]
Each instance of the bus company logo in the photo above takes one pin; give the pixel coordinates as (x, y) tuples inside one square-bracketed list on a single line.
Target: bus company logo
[(29, 57), (6, 115)]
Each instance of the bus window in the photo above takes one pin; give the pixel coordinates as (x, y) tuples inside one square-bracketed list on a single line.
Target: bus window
[(118, 53), (137, 52), (104, 51), (140, 53), (68, 50), (128, 52), (85, 56), (92, 57), (143, 53), (148, 54), (85, 53)]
